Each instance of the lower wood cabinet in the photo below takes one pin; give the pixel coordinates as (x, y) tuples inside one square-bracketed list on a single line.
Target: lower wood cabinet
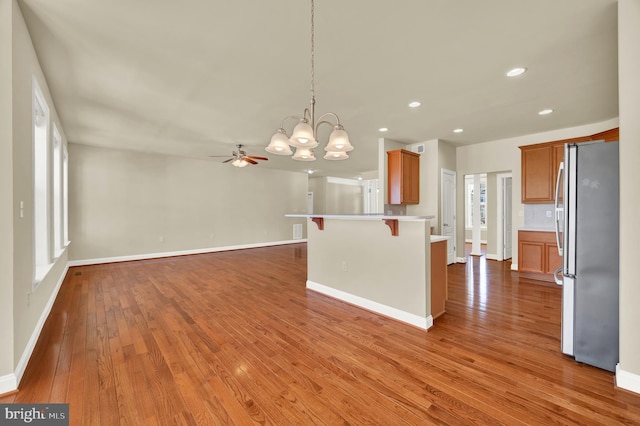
[(438, 277), (538, 256)]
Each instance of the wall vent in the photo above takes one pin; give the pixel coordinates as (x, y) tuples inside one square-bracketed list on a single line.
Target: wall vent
[(418, 148)]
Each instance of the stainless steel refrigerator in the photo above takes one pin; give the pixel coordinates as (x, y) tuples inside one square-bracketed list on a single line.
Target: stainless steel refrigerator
[(587, 232)]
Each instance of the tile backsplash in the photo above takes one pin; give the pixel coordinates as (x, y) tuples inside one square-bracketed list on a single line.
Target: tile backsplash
[(539, 216)]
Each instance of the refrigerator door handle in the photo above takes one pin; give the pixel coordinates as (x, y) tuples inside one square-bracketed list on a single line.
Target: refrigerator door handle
[(557, 276), (559, 208)]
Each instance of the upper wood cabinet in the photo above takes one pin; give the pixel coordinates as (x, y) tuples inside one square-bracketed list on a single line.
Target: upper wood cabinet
[(403, 177), (537, 174), (540, 163)]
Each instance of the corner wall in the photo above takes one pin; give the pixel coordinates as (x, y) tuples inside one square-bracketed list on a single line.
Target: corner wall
[(23, 308), (628, 374), (6, 194)]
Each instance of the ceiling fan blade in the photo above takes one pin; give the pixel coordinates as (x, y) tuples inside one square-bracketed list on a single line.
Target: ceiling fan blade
[(257, 158), (213, 156), (249, 160), (226, 161)]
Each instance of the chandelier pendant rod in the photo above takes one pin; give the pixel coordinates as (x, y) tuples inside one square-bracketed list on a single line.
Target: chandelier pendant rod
[(313, 67), (305, 134)]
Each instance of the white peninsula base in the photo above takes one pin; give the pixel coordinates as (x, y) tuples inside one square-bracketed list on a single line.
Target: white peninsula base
[(358, 259)]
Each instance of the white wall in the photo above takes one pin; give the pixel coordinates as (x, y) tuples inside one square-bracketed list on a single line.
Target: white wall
[(628, 375), (429, 183), (6, 193), (124, 203), (504, 156), (21, 310), (333, 195)]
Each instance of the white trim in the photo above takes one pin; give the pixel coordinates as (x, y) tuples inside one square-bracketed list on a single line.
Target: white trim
[(370, 305), (514, 266), (145, 256), (31, 344), (492, 257), (627, 380), (8, 383), (461, 260)]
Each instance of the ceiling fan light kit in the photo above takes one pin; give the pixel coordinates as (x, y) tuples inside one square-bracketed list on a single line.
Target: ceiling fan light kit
[(240, 158), (304, 135)]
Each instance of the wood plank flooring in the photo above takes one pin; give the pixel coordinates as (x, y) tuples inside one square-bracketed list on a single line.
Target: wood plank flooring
[(235, 338)]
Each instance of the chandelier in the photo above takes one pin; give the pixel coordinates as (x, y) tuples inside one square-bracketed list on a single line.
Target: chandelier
[(304, 136)]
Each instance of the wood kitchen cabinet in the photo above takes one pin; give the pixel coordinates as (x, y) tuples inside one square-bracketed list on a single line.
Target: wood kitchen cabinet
[(540, 163), (538, 256), (438, 277), (403, 177), (537, 173)]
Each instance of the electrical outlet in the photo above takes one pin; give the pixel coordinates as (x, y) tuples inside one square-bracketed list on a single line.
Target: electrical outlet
[(548, 213), (344, 266), (211, 236), (161, 238), (28, 298)]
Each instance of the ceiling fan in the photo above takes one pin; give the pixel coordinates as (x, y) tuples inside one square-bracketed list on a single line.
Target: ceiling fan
[(240, 158)]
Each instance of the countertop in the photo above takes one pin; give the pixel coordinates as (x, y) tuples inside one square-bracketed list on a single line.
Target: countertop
[(362, 216), (437, 238), (527, 228)]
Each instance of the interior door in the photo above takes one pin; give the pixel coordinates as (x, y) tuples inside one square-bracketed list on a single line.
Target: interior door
[(506, 218), (448, 212)]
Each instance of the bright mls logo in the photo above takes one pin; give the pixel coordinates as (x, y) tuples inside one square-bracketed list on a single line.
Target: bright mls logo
[(37, 414)]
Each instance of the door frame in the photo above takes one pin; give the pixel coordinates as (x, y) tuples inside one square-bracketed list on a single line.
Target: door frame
[(500, 177), (454, 241)]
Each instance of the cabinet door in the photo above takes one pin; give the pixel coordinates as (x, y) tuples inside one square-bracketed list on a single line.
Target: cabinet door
[(410, 178), (403, 177), (537, 175), (553, 259), (531, 257)]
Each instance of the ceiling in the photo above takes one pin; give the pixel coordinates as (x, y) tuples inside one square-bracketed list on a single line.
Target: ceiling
[(194, 79)]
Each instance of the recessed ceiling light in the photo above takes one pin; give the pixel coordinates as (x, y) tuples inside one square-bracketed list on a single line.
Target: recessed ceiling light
[(516, 72), (359, 177), (415, 104), (545, 111), (458, 130), (310, 171), (383, 129)]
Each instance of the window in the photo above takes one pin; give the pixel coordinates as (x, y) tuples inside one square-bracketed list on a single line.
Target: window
[(65, 196), (469, 191), (58, 243), (41, 243)]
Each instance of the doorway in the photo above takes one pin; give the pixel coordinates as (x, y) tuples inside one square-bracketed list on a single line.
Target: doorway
[(448, 212), (505, 219)]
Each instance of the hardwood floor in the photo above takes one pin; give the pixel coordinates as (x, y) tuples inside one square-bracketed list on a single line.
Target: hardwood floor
[(235, 338)]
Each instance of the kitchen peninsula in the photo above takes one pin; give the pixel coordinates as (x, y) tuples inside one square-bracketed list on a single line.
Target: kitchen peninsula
[(380, 263)]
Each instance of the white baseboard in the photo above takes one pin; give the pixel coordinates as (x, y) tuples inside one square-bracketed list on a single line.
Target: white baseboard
[(492, 257), (627, 380), (514, 266), (461, 260), (97, 261), (8, 383), (406, 317)]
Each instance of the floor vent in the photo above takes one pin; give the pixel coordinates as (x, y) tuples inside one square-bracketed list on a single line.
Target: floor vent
[(77, 273)]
